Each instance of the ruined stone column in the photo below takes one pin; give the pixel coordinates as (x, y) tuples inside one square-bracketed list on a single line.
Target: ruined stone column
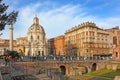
[(11, 38)]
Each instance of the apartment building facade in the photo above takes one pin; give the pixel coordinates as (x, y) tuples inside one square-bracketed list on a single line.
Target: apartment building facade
[(88, 40)]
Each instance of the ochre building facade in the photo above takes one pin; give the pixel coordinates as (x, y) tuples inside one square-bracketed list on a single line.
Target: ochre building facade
[(57, 45), (4, 45), (88, 40), (116, 42)]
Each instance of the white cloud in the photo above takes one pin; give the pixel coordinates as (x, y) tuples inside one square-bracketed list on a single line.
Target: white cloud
[(106, 23), (56, 21)]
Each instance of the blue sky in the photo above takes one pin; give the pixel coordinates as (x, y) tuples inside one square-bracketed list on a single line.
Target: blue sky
[(56, 16)]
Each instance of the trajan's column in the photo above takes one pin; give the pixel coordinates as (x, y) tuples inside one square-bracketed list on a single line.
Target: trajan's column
[(11, 37), (11, 20)]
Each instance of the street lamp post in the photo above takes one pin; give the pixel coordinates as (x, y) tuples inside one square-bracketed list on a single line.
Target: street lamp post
[(29, 51), (10, 21)]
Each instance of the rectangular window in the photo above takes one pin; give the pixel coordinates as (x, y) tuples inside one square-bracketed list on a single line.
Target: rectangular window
[(86, 33)]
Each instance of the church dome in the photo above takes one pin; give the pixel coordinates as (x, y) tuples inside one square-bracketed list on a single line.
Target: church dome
[(36, 27), (36, 31)]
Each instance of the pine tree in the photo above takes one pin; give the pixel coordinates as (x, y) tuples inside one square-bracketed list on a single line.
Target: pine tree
[(5, 18)]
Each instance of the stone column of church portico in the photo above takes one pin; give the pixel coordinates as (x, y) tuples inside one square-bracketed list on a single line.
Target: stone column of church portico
[(11, 38), (46, 52), (44, 49)]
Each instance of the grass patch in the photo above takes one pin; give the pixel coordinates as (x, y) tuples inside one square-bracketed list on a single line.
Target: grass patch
[(118, 63), (100, 72), (104, 73)]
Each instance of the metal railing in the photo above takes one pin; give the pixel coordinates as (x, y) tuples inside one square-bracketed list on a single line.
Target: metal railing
[(67, 59)]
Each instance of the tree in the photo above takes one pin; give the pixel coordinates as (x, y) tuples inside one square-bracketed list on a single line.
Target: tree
[(13, 54), (5, 18)]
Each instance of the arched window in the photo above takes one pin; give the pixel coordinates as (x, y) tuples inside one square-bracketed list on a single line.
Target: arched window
[(31, 37), (37, 37), (116, 54), (115, 40), (86, 33)]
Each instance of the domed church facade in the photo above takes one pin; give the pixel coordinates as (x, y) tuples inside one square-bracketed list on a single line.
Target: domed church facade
[(35, 43), (36, 39)]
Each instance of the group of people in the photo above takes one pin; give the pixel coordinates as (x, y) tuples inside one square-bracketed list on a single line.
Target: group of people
[(7, 60)]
